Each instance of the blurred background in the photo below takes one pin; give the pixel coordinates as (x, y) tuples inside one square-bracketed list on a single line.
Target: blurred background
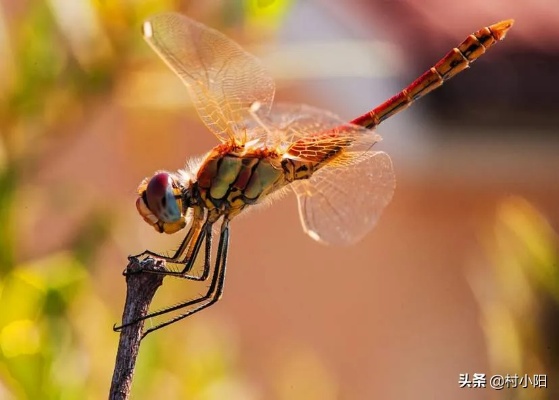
[(459, 277)]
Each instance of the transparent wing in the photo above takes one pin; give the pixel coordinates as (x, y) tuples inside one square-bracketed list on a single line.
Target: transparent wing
[(339, 205), (224, 80), (341, 201), (307, 131)]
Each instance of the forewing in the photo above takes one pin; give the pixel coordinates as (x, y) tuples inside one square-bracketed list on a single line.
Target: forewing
[(340, 204), (224, 80)]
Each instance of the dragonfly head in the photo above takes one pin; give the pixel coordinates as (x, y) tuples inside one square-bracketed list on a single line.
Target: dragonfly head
[(160, 202)]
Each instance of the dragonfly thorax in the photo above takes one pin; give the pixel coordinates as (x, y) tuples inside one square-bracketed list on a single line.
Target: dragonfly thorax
[(163, 202)]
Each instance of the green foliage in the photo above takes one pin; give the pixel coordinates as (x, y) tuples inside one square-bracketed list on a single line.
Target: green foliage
[(8, 182), (524, 281), (36, 333)]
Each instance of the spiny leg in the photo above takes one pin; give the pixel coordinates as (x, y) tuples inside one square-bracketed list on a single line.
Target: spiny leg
[(207, 266), (205, 233), (215, 290), (191, 255), (180, 251), (215, 286), (207, 259)]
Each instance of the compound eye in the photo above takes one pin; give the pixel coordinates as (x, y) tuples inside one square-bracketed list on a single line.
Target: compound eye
[(161, 199)]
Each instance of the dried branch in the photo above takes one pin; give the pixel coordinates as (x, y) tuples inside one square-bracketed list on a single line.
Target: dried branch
[(140, 289)]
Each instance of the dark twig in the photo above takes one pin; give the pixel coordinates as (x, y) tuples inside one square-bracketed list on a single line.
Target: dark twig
[(140, 289)]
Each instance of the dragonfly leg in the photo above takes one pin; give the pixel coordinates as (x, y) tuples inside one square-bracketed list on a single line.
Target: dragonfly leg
[(213, 294), (177, 255), (191, 257), (216, 288), (188, 263), (190, 245)]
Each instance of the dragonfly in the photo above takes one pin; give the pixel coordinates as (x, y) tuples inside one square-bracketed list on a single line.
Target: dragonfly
[(341, 181)]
